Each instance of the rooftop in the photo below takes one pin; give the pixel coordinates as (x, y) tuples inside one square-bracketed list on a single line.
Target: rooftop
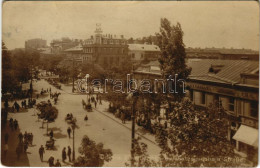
[(76, 48), (143, 47), (214, 70)]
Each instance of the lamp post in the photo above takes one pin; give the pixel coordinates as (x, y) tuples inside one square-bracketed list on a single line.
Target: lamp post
[(73, 73), (133, 96), (73, 126)]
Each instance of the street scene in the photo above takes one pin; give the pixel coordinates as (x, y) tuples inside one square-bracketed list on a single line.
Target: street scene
[(87, 84)]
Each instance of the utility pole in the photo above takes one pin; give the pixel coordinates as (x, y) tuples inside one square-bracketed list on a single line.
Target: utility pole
[(31, 86), (73, 73), (133, 124)]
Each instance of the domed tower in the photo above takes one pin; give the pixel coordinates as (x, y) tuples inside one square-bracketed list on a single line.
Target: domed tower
[(98, 34)]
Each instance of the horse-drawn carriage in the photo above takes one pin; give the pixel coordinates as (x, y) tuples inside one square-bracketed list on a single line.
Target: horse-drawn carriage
[(86, 106), (70, 119), (50, 144)]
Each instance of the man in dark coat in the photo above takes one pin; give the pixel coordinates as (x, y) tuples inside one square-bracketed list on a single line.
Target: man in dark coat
[(51, 161), (41, 151), (64, 154), (69, 153)]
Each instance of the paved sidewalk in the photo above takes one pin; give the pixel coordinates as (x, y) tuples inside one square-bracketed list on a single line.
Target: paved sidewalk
[(140, 131), (11, 157)]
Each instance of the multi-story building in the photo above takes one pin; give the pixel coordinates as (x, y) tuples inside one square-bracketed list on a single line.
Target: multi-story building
[(77, 55), (34, 44), (232, 83), (140, 52), (106, 50)]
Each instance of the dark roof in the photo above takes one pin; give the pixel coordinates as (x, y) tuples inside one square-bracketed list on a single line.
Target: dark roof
[(228, 70)]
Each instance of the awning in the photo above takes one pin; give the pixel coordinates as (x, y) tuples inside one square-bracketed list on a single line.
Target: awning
[(247, 135)]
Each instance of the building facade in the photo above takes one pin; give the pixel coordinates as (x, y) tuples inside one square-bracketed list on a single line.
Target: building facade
[(106, 50), (234, 84), (140, 52), (34, 44)]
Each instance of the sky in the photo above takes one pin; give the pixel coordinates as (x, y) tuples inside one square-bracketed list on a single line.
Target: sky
[(205, 24)]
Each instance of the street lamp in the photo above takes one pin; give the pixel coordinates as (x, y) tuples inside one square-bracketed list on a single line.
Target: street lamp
[(133, 97), (73, 126)]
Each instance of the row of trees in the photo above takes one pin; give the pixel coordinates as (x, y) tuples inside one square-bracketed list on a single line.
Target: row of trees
[(17, 67)]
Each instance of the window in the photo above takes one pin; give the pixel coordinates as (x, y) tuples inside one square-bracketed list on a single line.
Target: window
[(203, 98), (231, 104), (142, 55), (254, 109)]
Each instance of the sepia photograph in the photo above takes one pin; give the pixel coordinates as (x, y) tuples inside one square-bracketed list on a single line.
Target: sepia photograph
[(130, 84)]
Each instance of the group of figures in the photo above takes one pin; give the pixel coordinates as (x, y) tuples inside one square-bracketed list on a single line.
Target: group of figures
[(24, 104), (25, 140), (92, 99)]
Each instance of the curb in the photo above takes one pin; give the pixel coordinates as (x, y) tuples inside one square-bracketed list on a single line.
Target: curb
[(127, 127)]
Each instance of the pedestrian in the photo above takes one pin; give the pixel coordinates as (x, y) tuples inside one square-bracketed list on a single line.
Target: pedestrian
[(100, 102), (69, 131), (86, 118), (41, 151), (37, 96), (24, 103), (51, 133), (20, 136), (57, 164), (69, 153), (25, 137), (123, 117), (5, 150), (95, 103), (50, 89), (15, 124), (6, 138), (64, 154), (51, 161)]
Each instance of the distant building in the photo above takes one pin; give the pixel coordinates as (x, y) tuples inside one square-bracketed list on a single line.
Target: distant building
[(222, 53), (34, 44), (232, 83), (76, 54), (106, 50), (139, 52), (58, 46)]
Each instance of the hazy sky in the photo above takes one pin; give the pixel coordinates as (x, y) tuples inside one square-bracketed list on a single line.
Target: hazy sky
[(205, 24)]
